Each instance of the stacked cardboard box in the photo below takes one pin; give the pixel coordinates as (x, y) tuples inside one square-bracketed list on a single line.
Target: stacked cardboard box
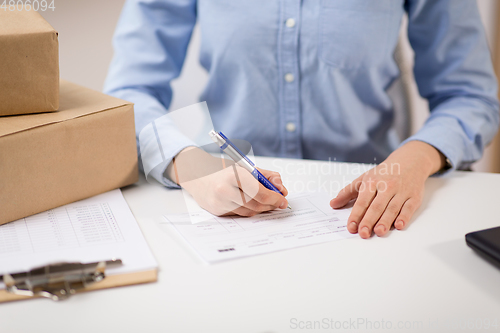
[(29, 63), (51, 159)]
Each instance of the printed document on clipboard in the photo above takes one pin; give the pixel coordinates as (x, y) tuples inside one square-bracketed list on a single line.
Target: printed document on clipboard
[(97, 229)]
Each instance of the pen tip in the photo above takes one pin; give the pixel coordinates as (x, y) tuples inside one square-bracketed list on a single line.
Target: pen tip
[(289, 207)]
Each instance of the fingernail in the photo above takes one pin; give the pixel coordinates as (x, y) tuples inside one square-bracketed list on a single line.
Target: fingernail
[(353, 224), (283, 205), (399, 224), (380, 229), (365, 231)]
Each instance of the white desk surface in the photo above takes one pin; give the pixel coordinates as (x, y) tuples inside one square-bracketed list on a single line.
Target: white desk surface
[(419, 278)]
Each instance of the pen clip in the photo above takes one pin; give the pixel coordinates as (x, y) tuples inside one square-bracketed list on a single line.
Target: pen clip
[(228, 142)]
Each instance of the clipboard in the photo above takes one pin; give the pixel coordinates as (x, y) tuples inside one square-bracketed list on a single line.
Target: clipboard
[(87, 245), (61, 280)]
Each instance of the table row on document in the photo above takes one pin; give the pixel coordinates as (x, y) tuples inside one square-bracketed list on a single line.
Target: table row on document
[(60, 228)]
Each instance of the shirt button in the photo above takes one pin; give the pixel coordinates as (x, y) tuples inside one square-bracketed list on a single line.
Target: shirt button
[(290, 127), (289, 77), (290, 23)]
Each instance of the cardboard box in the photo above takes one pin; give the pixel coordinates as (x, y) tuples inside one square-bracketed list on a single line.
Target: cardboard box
[(51, 159), (29, 63)]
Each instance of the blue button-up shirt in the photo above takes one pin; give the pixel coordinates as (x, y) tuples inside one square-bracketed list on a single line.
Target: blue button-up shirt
[(309, 78)]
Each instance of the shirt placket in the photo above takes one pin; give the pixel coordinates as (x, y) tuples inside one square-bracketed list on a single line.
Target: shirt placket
[(288, 62)]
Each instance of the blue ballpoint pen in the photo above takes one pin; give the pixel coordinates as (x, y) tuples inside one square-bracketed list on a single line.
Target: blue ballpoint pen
[(241, 159)]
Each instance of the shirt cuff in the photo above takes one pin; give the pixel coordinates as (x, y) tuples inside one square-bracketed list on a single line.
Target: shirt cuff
[(160, 172), (446, 139), (160, 141)]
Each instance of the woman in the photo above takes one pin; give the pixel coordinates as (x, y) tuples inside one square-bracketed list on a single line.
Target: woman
[(317, 72)]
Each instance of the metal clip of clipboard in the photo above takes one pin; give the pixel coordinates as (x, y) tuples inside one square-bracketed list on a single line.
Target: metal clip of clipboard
[(57, 281)]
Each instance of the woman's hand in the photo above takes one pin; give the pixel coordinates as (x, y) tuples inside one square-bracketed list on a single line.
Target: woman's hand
[(222, 187), (391, 192)]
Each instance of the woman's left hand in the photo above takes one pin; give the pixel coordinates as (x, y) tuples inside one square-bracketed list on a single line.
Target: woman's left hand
[(391, 192)]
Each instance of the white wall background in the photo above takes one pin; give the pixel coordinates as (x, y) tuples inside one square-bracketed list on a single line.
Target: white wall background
[(85, 32)]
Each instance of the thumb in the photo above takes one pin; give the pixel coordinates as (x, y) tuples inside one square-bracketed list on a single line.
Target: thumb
[(345, 195)]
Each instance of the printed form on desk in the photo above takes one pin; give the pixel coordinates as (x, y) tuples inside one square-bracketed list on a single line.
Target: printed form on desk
[(215, 239), (95, 229)]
